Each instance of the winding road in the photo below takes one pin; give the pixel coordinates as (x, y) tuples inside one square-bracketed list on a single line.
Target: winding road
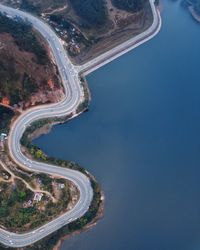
[(74, 95)]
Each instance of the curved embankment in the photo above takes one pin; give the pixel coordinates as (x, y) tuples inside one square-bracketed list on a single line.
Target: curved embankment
[(74, 96), (125, 47)]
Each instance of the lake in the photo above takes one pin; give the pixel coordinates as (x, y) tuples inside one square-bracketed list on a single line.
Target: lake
[(141, 139)]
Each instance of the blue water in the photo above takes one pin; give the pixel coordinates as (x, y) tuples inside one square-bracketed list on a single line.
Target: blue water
[(141, 139)]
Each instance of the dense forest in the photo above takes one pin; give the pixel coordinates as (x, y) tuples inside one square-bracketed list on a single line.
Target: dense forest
[(129, 5), (24, 37), (93, 12), (5, 117), (26, 5), (60, 21)]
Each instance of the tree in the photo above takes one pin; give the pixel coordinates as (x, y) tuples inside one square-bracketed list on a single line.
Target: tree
[(129, 5), (92, 11)]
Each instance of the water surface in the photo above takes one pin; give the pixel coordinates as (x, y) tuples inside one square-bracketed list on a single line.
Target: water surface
[(141, 140)]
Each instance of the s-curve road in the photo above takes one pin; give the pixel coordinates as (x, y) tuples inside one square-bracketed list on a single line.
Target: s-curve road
[(73, 97)]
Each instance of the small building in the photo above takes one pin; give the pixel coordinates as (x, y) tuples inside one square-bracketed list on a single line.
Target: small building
[(3, 137), (37, 197)]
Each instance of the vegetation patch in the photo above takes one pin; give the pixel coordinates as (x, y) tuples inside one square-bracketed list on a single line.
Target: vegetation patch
[(5, 117), (12, 213), (22, 210), (24, 37), (37, 6), (93, 12), (129, 5)]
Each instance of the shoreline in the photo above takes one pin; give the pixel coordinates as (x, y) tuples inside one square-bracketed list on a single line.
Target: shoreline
[(86, 228), (125, 47), (80, 70)]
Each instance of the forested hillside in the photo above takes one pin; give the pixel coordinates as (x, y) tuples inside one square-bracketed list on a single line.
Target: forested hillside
[(27, 76), (92, 11), (129, 5), (23, 37)]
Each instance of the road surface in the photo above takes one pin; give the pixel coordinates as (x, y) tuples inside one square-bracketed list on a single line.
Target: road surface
[(73, 97)]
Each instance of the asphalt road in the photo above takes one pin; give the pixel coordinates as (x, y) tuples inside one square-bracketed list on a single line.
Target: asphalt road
[(74, 95), (124, 47)]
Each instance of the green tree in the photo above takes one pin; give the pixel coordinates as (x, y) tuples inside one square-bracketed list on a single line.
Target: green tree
[(129, 5)]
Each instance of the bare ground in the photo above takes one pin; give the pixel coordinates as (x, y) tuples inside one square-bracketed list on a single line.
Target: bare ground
[(45, 77)]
